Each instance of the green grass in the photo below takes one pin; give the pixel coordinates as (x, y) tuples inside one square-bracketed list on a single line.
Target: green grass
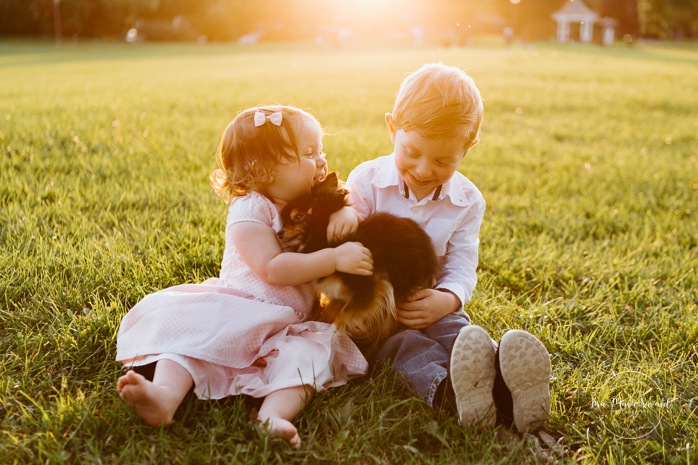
[(588, 163)]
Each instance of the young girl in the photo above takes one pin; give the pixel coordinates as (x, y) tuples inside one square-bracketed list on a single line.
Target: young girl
[(246, 332)]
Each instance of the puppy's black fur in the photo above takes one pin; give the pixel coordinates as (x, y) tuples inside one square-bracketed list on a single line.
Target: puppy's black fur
[(404, 262)]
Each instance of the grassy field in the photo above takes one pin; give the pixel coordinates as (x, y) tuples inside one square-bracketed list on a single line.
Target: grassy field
[(588, 161)]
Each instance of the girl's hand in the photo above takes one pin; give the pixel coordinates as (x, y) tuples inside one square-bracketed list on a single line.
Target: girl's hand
[(343, 223), (353, 258), (424, 308)]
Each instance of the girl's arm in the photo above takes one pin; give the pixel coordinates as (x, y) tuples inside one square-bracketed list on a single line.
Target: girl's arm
[(259, 248)]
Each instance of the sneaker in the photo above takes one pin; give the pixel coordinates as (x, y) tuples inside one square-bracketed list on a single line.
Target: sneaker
[(472, 374), (525, 367)]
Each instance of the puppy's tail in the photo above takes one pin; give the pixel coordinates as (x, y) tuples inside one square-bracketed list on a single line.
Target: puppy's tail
[(374, 322)]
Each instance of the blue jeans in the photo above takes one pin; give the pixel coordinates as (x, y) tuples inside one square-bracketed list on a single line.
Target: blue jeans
[(422, 357)]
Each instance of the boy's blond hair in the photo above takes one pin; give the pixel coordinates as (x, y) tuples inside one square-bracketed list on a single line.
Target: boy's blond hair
[(438, 100)]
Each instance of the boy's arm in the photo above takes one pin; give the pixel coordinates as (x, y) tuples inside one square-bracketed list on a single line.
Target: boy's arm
[(424, 308), (343, 223), (459, 269), (360, 196), (457, 279), (346, 221)]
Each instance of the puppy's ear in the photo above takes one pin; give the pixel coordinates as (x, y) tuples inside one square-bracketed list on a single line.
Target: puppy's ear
[(331, 182)]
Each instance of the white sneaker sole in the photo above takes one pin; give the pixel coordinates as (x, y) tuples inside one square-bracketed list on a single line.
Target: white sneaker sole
[(472, 375), (525, 366)]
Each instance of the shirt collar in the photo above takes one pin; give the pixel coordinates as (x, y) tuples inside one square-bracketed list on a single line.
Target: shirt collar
[(388, 175), (434, 197)]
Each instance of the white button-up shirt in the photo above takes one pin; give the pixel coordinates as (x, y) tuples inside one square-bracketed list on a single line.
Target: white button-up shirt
[(451, 215)]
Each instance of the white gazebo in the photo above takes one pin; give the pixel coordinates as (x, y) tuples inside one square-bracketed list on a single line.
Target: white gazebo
[(575, 12), (608, 30)]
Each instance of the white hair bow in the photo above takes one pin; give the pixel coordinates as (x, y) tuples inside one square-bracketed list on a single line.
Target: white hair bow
[(260, 118)]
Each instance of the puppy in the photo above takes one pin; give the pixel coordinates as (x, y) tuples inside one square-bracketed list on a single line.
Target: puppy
[(404, 262)]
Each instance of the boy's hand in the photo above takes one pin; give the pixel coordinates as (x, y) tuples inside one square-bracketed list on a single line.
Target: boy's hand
[(354, 258), (343, 223), (424, 308)]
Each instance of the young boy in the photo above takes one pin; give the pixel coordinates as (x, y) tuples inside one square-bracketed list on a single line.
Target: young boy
[(446, 360)]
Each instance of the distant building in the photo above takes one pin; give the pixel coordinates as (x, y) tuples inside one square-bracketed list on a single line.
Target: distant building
[(575, 12), (608, 30), (576, 16)]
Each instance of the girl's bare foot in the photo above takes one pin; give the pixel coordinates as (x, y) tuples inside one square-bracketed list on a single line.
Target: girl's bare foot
[(151, 402), (280, 428)]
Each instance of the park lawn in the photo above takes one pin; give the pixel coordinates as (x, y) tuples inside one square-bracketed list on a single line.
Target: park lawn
[(588, 162)]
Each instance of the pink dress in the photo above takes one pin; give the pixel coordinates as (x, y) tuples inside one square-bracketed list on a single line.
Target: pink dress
[(237, 334)]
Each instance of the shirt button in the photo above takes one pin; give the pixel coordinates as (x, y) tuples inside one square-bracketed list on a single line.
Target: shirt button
[(415, 209)]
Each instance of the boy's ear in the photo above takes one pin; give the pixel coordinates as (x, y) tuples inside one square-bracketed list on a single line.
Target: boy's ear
[(472, 144), (391, 126)]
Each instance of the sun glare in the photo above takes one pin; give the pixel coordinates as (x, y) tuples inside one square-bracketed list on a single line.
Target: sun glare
[(376, 16), (358, 12), (368, 7)]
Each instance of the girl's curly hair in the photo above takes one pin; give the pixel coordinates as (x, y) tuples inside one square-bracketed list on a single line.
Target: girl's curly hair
[(247, 155)]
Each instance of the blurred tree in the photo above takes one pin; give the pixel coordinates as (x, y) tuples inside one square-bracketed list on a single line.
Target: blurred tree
[(41, 14), (17, 18), (75, 17), (530, 19), (669, 19), (303, 19), (625, 12)]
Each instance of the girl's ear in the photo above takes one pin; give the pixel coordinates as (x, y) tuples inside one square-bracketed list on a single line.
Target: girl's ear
[(391, 126)]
